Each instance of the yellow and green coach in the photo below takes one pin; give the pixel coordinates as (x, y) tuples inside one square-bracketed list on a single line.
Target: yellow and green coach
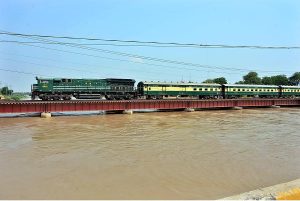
[(289, 91), (160, 90), (247, 90)]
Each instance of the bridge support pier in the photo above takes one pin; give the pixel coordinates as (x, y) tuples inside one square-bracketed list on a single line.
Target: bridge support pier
[(274, 106), (45, 114), (189, 110), (236, 108), (127, 112)]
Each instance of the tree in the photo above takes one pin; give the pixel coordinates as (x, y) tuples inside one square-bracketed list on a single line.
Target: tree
[(240, 82), (6, 91), (295, 78), (220, 80), (208, 81), (280, 80), (267, 80), (252, 78)]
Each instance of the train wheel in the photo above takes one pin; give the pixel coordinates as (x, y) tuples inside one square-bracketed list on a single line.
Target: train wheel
[(56, 98)]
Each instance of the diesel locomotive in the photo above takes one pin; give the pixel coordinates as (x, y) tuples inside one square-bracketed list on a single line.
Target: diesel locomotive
[(124, 89), (65, 89)]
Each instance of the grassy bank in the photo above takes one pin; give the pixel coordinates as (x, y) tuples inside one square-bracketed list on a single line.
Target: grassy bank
[(14, 97)]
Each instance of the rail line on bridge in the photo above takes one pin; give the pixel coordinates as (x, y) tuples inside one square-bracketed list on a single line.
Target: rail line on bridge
[(123, 105)]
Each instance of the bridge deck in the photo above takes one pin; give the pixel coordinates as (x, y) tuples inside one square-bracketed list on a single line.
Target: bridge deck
[(97, 105)]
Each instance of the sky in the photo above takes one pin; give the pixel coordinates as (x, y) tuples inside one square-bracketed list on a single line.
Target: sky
[(229, 22)]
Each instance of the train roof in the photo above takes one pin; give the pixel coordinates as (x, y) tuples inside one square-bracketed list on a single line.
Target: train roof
[(108, 79), (250, 85), (119, 79), (180, 83), (293, 87)]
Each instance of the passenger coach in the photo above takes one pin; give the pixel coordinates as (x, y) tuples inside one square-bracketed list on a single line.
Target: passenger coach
[(160, 90), (289, 91), (247, 90)]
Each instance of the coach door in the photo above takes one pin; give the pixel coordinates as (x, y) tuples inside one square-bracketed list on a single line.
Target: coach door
[(164, 90)]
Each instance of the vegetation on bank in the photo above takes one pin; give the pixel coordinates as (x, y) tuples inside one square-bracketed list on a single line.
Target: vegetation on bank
[(8, 94), (15, 97), (253, 78)]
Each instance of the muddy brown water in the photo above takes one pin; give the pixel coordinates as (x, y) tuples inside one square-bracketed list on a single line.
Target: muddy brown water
[(169, 155)]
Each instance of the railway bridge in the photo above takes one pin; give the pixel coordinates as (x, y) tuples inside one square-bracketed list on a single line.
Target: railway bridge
[(126, 106)]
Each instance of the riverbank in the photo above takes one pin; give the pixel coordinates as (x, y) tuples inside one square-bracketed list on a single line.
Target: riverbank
[(14, 97), (284, 191)]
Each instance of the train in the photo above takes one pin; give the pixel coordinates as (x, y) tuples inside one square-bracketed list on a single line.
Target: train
[(67, 88), (124, 89)]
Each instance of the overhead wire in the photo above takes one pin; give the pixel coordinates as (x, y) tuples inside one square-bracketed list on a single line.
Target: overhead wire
[(132, 61), (21, 72), (143, 57), (68, 68), (147, 43)]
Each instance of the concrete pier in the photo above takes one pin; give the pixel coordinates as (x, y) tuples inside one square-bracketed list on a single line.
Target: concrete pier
[(274, 106), (45, 115), (236, 108), (127, 112), (189, 110)]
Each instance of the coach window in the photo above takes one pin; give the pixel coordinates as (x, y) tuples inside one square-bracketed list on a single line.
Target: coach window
[(243, 89), (149, 88), (239, 89), (205, 89), (195, 89), (233, 90), (200, 89)]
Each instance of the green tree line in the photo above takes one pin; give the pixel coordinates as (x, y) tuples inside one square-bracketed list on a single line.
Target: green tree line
[(253, 78)]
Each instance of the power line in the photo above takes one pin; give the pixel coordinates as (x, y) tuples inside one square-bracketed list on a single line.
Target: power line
[(144, 57), (88, 44), (65, 68), (42, 75), (115, 59), (51, 66), (21, 72), (147, 43)]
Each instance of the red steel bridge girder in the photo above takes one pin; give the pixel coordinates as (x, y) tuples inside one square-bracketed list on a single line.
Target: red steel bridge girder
[(93, 105)]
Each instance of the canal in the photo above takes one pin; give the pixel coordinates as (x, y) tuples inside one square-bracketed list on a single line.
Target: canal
[(165, 155)]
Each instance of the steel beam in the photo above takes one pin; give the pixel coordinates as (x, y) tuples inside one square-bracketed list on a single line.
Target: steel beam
[(96, 105)]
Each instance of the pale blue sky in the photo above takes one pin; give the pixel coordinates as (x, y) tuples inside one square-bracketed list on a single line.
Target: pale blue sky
[(232, 22)]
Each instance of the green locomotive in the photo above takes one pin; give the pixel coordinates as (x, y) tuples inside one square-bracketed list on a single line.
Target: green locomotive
[(63, 88)]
